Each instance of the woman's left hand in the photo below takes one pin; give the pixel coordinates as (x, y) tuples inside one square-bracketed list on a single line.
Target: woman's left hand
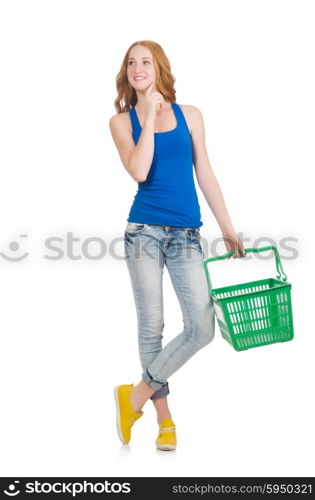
[(233, 243)]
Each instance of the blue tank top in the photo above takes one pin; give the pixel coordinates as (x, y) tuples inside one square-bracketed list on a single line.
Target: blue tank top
[(168, 195)]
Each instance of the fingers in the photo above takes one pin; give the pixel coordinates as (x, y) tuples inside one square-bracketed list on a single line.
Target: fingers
[(158, 99), (155, 97), (149, 88), (234, 244), (239, 253)]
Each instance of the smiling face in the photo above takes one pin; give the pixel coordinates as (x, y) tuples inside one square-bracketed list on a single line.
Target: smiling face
[(140, 68)]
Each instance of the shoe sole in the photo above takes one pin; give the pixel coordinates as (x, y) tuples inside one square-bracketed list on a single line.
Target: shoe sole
[(118, 427), (166, 447)]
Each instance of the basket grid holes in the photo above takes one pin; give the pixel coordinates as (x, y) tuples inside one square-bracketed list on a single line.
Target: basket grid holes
[(257, 313)]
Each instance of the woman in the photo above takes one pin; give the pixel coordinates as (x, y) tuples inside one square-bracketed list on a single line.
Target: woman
[(158, 142)]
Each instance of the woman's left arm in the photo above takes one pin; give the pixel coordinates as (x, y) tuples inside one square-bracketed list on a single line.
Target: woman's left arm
[(209, 185)]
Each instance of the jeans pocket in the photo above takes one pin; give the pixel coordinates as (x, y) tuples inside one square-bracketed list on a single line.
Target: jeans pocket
[(193, 233), (135, 227)]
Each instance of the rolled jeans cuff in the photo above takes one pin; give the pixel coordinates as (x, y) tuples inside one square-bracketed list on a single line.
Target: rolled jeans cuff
[(160, 387), (161, 393)]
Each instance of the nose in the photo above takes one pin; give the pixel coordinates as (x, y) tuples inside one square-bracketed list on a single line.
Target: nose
[(138, 71)]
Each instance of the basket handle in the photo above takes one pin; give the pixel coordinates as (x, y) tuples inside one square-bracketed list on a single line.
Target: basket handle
[(280, 270)]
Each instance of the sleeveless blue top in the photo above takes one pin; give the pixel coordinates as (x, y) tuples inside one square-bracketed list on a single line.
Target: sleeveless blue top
[(168, 195)]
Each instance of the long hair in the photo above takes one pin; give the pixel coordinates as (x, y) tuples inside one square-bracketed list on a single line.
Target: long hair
[(127, 96)]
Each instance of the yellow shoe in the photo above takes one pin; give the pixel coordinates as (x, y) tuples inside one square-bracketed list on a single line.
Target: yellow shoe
[(167, 435), (126, 416)]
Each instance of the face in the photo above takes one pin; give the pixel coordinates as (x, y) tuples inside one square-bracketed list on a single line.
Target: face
[(140, 64)]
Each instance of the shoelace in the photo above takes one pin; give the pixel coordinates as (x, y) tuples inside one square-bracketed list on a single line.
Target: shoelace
[(132, 420), (167, 429)]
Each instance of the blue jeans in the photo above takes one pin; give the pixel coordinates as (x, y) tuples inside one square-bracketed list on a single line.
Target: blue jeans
[(147, 249)]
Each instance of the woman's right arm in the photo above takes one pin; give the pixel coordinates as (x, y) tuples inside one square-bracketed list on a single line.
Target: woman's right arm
[(136, 159)]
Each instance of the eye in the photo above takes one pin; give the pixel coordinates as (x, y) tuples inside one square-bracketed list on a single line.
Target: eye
[(130, 62)]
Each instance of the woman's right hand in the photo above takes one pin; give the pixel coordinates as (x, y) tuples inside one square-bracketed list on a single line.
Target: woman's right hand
[(153, 103)]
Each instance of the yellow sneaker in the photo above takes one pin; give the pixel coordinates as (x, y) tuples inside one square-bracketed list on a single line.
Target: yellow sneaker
[(166, 439), (126, 416)]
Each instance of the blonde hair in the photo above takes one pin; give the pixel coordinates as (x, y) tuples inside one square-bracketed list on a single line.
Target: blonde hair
[(127, 96)]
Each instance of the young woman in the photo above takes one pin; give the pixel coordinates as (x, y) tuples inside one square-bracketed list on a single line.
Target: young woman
[(159, 141)]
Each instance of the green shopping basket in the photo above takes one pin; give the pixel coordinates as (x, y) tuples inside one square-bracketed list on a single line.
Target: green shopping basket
[(255, 313)]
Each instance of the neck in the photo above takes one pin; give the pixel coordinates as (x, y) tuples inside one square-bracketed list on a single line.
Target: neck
[(141, 100)]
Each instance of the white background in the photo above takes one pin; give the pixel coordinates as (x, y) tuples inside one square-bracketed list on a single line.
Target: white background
[(68, 326)]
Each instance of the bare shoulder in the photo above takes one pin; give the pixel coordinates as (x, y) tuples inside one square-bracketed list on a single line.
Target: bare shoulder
[(192, 115), (119, 121), (190, 108)]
